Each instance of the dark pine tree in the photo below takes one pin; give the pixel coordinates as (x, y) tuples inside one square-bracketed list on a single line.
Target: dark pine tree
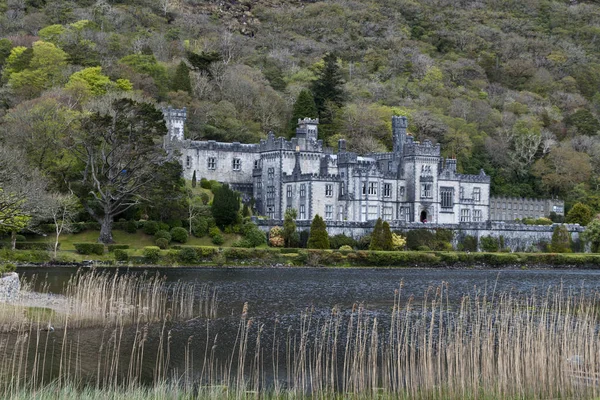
[(318, 238), (181, 80), (328, 86), (194, 180), (303, 107), (225, 206), (377, 236)]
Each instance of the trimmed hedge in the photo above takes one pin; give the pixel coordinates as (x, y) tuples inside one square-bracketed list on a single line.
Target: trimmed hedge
[(113, 247), (151, 254), (121, 255), (89, 248), (34, 246)]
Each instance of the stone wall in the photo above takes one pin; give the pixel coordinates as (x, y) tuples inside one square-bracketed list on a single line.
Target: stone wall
[(517, 237), (10, 286)]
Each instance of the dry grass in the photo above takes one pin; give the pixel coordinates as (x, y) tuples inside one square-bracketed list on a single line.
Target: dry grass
[(489, 346)]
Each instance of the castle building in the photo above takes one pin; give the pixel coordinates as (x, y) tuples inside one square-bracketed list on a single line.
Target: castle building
[(413, 183)]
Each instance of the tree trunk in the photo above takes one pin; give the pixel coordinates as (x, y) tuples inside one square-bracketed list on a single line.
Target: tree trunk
[(106, 230), (13, 240)]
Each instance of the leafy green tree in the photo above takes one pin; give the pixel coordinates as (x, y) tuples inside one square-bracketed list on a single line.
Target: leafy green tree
[(579, 214), (290, 235), (328, 85), (119, 151), (253, 235), (44, 69), (304, 107), (5, 46), (377, 236), (592, 234), (561, 240), (225, 206), (318, 237), (584, 121), (181, 80), (202, 61), (147, 64)]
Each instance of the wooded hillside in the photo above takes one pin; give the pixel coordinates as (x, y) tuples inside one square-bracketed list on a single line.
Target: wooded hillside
[(509, 86)]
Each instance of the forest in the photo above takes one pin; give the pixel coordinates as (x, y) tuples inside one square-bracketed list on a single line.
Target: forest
[(512, 87)]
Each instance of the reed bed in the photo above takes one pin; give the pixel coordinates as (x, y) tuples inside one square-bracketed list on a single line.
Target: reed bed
[(107, 298), (488, 346)]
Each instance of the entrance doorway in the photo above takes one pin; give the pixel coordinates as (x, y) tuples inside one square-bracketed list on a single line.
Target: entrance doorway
[(423, 216)]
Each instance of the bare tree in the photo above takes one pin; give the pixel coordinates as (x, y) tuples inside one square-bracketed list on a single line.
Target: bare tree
[(22, 192), (62, 209)]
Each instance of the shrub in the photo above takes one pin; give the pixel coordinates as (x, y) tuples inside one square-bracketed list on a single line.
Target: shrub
[(163, 235), (121, 255), (276, 237), (214, 231), (543, 221), (151, 254), (131, 227), (113, 247), (423, 248), (34, 246), (7, 268), (204, 183), (162, 243), (489, 244), (20, 238), (163, 226), (253, 235), (337, 241), (200, 226), (398, 242), (179, 235), (187, 255), (345, 247), (218, 239), (92, 226), (419, 237), (579, 214), (89, 248), (219, 259), (174, 223), (150, 227), (469, 243), (561, 240)]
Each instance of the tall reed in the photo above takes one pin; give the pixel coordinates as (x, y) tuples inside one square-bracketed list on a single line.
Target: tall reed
[(488, 345)]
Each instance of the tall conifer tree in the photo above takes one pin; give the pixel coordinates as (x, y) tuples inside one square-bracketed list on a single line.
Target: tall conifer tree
[(318, 238), (303, 107), (181, 80)]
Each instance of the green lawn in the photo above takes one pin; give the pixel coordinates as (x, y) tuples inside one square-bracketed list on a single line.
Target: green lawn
[(136, 240)]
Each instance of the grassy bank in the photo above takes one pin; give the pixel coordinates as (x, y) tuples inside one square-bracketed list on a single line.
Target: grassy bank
[(209, 255), (488, 346)]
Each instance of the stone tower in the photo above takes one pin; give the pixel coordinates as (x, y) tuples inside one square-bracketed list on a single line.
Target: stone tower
[(175, 120)]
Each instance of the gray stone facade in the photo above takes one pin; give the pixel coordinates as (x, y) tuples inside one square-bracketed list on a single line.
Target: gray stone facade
[(411, 184), (512, 208)]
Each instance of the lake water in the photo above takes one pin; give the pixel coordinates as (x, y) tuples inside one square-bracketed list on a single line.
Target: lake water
[(284, 294)]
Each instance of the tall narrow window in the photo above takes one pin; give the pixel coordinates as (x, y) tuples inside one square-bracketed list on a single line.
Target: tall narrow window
[(237, 164), (256, 164), (372, 187), (364, 188), (446, 197), (212, 163), (303, 190), (373, 212), (465, 216), (328, 190), (341, 216), (289, 191), (477, 216), (461, 193), (387, 190), (302, 211), (342, 188), (328, 212), (426, 190), (477, 194), (188, 161), (271, 174)]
